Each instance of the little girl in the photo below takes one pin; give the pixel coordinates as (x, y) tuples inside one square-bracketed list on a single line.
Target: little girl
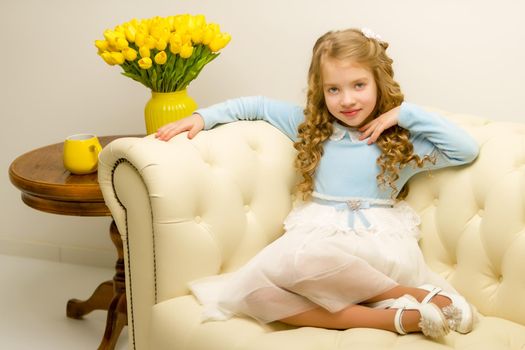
[(349, 257)]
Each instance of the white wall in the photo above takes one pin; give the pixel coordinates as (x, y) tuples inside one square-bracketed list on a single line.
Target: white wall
[(457, 55)]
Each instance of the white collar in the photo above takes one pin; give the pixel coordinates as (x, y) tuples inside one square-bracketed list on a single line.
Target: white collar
[(340, 131)]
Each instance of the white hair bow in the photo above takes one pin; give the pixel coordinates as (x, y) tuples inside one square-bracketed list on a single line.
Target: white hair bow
[(370, 34)]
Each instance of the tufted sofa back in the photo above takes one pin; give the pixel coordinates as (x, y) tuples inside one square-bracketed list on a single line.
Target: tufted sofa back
[(233, 188)]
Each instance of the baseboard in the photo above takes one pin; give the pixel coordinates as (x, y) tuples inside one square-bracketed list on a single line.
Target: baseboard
[(66, 254)]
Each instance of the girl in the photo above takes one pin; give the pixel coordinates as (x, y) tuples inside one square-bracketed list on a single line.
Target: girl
[(349, 257)]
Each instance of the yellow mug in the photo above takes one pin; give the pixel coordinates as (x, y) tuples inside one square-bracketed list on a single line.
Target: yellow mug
[(81, 153)]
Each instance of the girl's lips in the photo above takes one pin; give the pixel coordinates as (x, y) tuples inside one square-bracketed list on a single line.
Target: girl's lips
[(350, 113)]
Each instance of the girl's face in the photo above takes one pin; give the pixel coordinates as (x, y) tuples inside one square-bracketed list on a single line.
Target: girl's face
[(350, 91)]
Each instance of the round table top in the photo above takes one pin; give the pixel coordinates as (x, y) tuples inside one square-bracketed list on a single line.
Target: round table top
[(46, 185)]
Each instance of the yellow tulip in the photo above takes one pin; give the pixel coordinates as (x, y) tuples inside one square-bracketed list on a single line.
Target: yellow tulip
[(219, 42), (166, 36), (181, 23), (209, 35), (106, 56), (161, 57), (110, 36), (120, 29), (170, 21), (175, 43), (140, 39), (145, 63), (200, 21), (186, 51), (197, 36), (131, 32), (174, 49), (192, 24), (121, 44), (226, 38), (143, 27), (186, 38), (161, 44), (144, 51), (214, 27), (157, 31), (150, 42), (102, 45), (118, 57), (215, 44), (129, 54)]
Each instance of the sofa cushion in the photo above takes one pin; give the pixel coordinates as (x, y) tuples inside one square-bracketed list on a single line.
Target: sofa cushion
[(176, 324)]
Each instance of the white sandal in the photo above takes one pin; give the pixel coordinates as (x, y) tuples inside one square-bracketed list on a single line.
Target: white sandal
[(433, 323), (460, 314)]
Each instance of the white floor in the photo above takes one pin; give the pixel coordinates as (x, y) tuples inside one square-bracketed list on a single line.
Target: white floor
[(33, 298)]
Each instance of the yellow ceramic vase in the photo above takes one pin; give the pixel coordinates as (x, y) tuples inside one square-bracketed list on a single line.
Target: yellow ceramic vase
[(81, 153), (166, 107)]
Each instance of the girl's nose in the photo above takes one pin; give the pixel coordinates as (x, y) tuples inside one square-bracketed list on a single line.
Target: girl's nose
[(347, 99)]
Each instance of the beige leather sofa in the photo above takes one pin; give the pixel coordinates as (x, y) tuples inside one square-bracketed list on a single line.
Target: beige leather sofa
[(188, 209)]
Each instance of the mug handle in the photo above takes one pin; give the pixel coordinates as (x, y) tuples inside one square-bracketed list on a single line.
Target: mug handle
[(96, 148)]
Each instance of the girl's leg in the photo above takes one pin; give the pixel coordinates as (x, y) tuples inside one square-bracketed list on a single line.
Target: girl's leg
[(355, 316), (419, 294)]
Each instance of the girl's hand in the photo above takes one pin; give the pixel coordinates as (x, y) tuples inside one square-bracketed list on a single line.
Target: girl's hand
[(375, 127), (194, 123)]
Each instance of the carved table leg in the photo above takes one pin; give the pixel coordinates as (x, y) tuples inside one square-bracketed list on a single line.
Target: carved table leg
[(99, 300), (110, 295), (117, 311)]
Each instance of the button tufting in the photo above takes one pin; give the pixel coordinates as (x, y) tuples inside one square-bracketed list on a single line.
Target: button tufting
[(207, 160), (435, 201), (247, 208), (481, 212), (198, 219), (500, 279)]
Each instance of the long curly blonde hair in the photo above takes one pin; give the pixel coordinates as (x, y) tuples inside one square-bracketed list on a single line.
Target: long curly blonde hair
[(396, 149)]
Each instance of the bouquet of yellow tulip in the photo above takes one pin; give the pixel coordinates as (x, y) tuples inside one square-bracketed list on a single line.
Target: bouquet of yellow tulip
[(163, 53)]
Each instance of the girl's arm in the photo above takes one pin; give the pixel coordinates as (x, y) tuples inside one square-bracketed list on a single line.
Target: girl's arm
[(284, 116), (431, 134)]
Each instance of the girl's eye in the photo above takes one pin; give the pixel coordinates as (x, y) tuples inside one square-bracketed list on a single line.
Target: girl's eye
[(360, 86), (333, 90)]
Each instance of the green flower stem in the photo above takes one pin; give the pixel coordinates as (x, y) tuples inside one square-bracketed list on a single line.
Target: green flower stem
[(175, 75)]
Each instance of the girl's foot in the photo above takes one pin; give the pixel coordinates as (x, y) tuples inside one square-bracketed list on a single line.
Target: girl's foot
[(459, 313), (432, 322)]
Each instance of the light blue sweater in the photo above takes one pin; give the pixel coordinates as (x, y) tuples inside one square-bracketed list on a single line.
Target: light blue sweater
[(348, 168)]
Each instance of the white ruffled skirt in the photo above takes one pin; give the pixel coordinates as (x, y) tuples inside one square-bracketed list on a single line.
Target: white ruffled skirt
[(322, 260)]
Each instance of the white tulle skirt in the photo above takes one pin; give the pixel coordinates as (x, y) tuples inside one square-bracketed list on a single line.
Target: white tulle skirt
[(322, 261)]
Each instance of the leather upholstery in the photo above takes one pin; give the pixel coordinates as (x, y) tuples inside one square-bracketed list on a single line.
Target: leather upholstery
[(191, 208)]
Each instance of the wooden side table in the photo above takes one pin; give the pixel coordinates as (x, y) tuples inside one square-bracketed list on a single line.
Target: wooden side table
[(47, 186)]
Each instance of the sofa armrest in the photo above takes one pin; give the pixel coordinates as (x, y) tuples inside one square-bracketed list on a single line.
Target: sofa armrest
[(126, 196)]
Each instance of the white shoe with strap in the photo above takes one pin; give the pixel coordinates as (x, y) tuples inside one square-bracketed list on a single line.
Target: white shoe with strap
[(432, 323), (460, 314)]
